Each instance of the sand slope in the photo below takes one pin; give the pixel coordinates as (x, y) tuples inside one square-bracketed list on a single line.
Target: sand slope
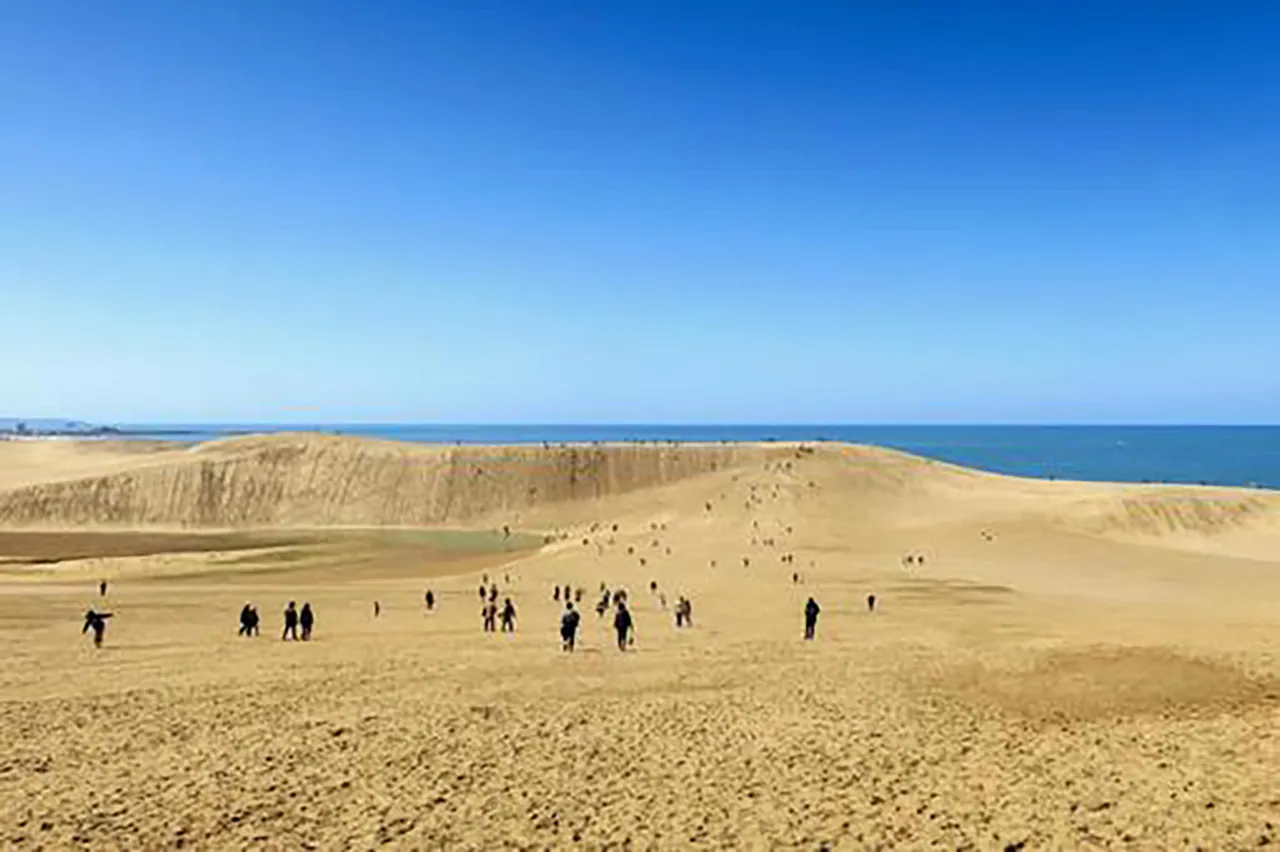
[(1072, 665)]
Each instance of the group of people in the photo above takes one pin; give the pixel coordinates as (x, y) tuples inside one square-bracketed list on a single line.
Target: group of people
[(491, 615), (249, 620), (293, 620), (684, 612), (299, 623)]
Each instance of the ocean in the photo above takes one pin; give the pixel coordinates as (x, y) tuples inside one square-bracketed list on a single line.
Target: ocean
[(1209, 455)]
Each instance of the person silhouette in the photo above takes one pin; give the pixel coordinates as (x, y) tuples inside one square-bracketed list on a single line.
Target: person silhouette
[(97, 621), (307, 620), (290, 622), (811, 610), (569, 627), (624, 626)]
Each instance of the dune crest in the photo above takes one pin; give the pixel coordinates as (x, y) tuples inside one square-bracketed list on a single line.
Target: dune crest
[(310, 480), (306, 480)]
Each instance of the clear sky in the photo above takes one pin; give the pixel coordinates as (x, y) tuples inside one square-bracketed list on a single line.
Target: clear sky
[(640, 211)]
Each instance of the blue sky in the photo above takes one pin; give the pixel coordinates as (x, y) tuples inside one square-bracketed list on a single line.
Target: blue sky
[(640, 211)]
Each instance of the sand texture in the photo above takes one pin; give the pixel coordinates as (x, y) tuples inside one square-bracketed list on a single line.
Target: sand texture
[(1060, 666)]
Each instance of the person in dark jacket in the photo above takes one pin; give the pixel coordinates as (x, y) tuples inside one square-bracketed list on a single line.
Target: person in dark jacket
[(246, 621), (308, 621), (97, 621), (431, 600), (508, 616), (811, 610), (624, 626), (569, 627), (290, 621)]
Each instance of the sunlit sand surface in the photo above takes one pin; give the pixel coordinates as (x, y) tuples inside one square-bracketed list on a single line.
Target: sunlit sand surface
[(1068, 666)]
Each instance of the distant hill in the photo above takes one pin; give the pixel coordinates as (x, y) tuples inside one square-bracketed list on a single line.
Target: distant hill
[(49, 426)]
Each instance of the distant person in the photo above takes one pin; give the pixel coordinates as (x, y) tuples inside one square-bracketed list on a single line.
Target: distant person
[(688, 613), (624, 626), (680, 612), (483, 591), (490, 615), (308, 621), (508, 616), (555, 595), (653, 586), (493, 593), (569, 627), (102, 589), (431, 600), (578, 593), (246, 620), (811, 610), (567, 592), (96, 621), (254, 621), (795, 578), (290, 622), (602, 605), (871, 603), (377, 609)]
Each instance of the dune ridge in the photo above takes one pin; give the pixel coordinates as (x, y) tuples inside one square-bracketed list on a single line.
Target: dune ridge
[(305, 480)]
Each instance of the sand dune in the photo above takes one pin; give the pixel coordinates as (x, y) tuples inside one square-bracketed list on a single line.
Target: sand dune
[(1062, 665)]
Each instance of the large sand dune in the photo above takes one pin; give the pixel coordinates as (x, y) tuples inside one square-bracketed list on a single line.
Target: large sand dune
[(1061, 665)]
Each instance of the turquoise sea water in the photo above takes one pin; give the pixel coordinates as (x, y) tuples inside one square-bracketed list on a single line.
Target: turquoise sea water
[(1215, 455)]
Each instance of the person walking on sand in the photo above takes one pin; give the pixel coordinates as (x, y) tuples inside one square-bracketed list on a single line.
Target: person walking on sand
[(508, 616), (377, 609), (102, 589), (555, 595), (624, 626), (97, 621), (811, 610), (871, 603), (290, 622), (431, 600), (490, 615), (308, 621), (569, 627), (246, 621)]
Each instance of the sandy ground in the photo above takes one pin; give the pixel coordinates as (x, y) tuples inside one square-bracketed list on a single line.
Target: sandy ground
[(1072, 666)]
